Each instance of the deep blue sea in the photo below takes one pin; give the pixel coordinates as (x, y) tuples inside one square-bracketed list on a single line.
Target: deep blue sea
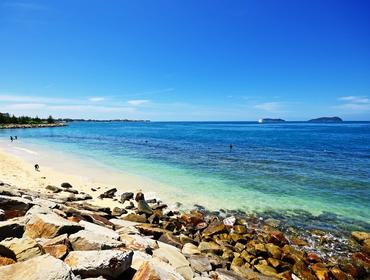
[(305, 169)]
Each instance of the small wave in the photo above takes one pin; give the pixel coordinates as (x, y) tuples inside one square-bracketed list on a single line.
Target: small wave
[(26, 150)]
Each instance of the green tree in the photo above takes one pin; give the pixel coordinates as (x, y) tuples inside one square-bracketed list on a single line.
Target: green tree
[(50, 119)]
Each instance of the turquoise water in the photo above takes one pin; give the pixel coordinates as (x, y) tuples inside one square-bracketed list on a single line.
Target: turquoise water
[(317, 169)]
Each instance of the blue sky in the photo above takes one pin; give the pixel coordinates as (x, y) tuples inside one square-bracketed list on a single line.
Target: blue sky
[(185, 60)]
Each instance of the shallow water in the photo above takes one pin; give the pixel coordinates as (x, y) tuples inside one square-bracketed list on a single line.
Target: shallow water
[(320, 169)]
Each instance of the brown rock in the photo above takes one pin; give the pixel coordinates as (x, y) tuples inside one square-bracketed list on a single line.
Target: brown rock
[(360, 236), (150, 229), (266, 270), (169, 238), (313, 258), (6, 261), (321, 271), (273, 250), (214, 228), (14, 206), (99, 220), (132, 217), (274, 262), (23, 248), (366, 246), (291, 254), (44, 267), (49, 225), (338, 274), (12, 228), (54, 189), (277, 238), (58, 251), (66, 185), (302, 271), (240, 229), (299, 242), (108, 194), (156, 271), (210, 247), (362, 261), (193, 218)]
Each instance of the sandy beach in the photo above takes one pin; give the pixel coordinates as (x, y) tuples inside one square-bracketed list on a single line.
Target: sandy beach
[(17, 168)]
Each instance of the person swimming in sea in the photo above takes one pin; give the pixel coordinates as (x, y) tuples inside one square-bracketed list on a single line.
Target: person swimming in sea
[(231, 147), (37, 167)]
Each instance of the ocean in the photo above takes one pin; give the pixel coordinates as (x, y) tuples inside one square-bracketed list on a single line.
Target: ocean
[(317, 174)]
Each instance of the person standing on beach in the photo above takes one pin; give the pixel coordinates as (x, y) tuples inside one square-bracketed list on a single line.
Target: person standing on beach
[(37, 167)]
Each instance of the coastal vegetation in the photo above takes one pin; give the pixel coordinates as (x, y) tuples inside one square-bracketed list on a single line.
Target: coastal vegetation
[(6, 118), (11, 121)]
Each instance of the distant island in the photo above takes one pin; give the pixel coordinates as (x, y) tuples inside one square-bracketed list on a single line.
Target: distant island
[(7, 122), (269, 120), (327, 120)]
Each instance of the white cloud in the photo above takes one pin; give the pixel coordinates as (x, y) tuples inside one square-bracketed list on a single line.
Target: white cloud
[(91, 109), (356, 99), (32, 99), (270, 106), (137, 102), (96, 99), (25, 106), (355, 103)]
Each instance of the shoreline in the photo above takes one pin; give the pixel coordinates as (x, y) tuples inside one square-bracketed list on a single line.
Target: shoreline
[(208, 246), (85, 173), (232, 240), (39, 125)]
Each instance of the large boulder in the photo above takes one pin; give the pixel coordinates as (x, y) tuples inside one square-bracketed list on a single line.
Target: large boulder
[(200, 263), (174, 257), (14, 206), (85, 240), (156, 271), (127, 196), (12, 228), (100, 230), (44, 267), (58, 247), (107, 263), (66, 185), (108, 194), (360, 236), (119, 223), (49, 226), (8, 190), (23, 248), (54, 189)]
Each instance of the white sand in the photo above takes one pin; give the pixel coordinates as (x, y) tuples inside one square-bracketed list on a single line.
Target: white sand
[(17, 162)]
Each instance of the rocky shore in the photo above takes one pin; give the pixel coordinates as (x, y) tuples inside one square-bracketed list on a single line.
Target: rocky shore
[(60, 234), (39, 125)]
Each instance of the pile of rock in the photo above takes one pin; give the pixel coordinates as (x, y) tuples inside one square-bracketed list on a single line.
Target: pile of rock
[(59, 235)]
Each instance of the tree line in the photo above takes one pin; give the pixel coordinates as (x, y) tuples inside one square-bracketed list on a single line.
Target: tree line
[(6, 118)]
